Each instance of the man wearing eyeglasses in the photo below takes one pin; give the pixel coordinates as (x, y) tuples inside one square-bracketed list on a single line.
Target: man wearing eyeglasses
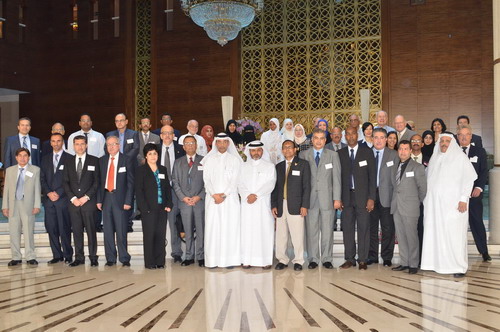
[(417, 144)]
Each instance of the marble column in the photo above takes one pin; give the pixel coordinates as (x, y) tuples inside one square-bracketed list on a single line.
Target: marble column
[(494, 222)]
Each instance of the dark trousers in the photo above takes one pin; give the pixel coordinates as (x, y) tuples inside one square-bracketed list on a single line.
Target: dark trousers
[(476, 223), (387, 224), (420, 230), (58, 226), (175, 240), (81, 218), (114, 222), (193, 217), (353, 216), (154, 230)]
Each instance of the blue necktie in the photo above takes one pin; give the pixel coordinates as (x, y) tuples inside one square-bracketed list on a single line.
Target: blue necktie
[(20, 185), (317, 159), (25, 144), (351, 182)]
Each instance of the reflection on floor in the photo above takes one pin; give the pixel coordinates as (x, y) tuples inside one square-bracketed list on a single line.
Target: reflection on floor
[(60, 298)]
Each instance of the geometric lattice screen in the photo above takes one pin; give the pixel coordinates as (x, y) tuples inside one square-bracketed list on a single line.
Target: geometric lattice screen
[(143, 61), (306, 58)]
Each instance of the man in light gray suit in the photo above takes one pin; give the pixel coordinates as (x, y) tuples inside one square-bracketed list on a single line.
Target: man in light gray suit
[(403, 132), (386, 160), (145, 137), (187, 180), (410, 188), (21, 202), (325, 198)]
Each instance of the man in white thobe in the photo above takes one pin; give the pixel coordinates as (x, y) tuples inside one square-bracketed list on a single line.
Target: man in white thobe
[(221, 170), (450, 180), (257, 180)]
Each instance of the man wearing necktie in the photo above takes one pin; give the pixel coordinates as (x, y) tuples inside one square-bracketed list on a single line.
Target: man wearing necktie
[(145, 137), (21, 202), (22, 140), (169, 152), (115, 199), (57, 221)]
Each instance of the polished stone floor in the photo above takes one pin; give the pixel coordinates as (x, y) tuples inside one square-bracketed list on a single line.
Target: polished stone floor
[(60, 298)]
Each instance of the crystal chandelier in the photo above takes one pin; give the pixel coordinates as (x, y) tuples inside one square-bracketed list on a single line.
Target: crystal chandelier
[(222, 19)]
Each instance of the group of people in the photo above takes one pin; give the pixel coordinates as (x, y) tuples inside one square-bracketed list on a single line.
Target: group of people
[(425, 189)]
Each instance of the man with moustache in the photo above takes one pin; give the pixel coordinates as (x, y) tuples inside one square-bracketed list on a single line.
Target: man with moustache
[(417, 143), (354, 122), (145, 137), (336, 144)]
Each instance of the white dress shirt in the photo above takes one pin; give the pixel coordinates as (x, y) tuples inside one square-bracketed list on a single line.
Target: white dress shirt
[(95, 143)]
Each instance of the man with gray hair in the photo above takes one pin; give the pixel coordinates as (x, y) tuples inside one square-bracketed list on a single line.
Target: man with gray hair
[(403, 132), (382, 119), (354, 122), (46, 146), (192, 127)]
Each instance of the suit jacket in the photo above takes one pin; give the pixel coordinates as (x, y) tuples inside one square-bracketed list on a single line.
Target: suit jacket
[(407, 135), (124, 185), (53, 181), (329, 146), (298, 186), (389, 164), (476, 140), (12, 143), (178, 151), (325, 178), (365, 177), (408, 195), (130, 141), (89, 182), (47, 148), (152, 138), (31, 188), (146, 189), (478, 158), (186, 183)]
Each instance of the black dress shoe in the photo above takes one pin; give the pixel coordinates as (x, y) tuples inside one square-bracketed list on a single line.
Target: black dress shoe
[(413, 270), (387, 262), (400, 268), (99, 229), (187, 262), (68, 260), (280, 266), (14, 262), (246, 267), (55, 260), (328, 265), (151, 267), (76, 263), (94, 262), (201, 263), (311, 265), (110, 263), (126, 263), (32, 262), (177, 259), (130, 229), (160, 266), (459, 275), (362, 265), (371, 261), (486, 257), (298, 267)]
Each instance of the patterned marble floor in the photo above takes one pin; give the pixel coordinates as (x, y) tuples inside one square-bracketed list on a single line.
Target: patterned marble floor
[(60, 298)]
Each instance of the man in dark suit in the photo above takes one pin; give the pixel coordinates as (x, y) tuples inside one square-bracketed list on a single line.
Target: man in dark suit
[(56, 202), (22, 140), (359, 184), (81, 181), (386, 161), (476, 140), (47, 146), (115, 197), (166, 120), (477, 156), (169, 152), (290, 201), (129, 146)]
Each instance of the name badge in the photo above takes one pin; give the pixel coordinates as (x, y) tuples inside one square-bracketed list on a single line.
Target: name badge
[(363, 163), (34, 146), (410, 174), (296, 173), (161, 176), (122, 170), (28, 173), (91, 168), (328, 166), (200, 168), (61, 167), (93, 139), (175, 138), (390, 163), (130, 140), (472, 143), (473, 159)]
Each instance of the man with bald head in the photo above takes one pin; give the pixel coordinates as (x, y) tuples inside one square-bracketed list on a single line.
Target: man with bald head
[(354, 122), (403, 132), (192, 127), (46, 146), (382, 119)]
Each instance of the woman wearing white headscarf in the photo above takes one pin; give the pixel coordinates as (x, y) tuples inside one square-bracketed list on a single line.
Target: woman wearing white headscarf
[(272, 140), (450, 180), (287, 130), (299, 137)]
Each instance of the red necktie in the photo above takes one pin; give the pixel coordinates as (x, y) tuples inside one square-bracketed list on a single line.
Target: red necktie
[(191, 162), (111, 175)]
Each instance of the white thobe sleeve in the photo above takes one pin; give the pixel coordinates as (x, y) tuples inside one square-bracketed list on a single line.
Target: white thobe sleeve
[(243, 189), (207, 178), (232, 182)]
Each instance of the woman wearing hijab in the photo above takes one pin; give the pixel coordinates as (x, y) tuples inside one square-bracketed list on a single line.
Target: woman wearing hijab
[(272, 140), (207, 132), (300, 138), (428, 138), (233, 133), (248, 134), (323, 125), (287, 131)]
